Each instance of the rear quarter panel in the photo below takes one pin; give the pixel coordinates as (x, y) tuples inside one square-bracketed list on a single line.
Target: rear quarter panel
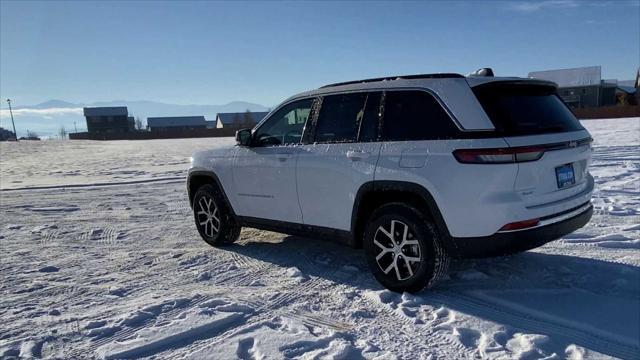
[(474, 200)]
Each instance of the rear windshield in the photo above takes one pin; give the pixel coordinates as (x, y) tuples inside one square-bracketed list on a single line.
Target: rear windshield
[(518, 109)]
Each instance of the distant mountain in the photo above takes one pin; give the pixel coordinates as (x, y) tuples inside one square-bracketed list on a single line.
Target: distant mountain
[(50, 104), (47, 117)]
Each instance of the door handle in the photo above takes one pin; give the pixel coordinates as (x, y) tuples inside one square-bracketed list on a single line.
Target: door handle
[(283, 157), (356, 155)]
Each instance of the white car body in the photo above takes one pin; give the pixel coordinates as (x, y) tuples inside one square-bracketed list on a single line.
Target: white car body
[(316, 186)]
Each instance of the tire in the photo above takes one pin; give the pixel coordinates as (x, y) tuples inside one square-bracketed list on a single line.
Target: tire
[(421, 262), (211, 211)]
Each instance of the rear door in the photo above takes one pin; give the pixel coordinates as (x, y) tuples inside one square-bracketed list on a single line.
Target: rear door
[(339, 157), (529, 115)]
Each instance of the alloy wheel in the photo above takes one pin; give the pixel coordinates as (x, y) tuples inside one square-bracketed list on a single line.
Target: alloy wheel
[(208, 216), (399, 250)]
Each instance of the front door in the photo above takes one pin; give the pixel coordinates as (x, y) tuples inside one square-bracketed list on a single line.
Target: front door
[(264, 173)]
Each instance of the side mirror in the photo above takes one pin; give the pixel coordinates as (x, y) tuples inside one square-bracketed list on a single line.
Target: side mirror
[(243, 137)]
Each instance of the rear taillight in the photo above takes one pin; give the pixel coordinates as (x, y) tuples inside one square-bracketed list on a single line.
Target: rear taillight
[(499, 156), (519, 225)]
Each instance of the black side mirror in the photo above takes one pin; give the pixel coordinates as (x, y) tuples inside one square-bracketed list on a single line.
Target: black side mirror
[(243, 137)]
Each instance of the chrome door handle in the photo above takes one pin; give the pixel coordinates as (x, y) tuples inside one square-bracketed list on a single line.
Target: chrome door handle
[(356, 155)]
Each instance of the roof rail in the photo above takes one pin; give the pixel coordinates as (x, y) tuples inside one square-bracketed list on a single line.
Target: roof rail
[(389, 78)]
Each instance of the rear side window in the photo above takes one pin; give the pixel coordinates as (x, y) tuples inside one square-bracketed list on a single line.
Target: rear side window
[(518, 109), (415, 115), (339, 117)]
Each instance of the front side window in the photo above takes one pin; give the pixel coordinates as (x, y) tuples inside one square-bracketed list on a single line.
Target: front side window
[(415, 115), (285, 126)]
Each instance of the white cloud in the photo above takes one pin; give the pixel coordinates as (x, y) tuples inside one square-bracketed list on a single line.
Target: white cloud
[(42, 112), (531, 6)]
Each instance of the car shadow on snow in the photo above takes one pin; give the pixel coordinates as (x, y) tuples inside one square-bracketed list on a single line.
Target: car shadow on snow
[(573, 300)]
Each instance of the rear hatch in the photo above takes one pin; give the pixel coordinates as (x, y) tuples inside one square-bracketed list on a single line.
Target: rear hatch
[(557, 149)]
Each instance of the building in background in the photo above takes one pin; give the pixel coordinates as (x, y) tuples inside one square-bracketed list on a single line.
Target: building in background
[(176, 123), (581, 87), (239, 120), (627, 91), (6, 135), (103, 120)]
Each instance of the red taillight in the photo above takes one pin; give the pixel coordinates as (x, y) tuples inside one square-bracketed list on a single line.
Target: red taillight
[(519, 225), (499, 156)]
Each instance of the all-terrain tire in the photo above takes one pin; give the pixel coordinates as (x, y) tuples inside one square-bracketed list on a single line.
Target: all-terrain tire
[(214, 220), (403, 248)]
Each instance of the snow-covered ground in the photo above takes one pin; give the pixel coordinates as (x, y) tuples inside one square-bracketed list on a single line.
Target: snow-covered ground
[(55, 162), (119, 271)]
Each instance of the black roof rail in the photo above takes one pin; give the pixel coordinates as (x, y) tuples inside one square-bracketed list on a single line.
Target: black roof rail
[(389, 78)]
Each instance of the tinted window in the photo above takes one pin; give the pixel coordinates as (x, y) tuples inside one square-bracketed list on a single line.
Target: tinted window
[(369, 123), (285, 126), (518, 109), (339, 117), (415, 115)]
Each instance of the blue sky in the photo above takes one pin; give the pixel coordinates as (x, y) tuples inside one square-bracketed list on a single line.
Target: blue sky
[(262, 52)]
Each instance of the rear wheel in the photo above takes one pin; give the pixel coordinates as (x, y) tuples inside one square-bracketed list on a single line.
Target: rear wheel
[(214, 219), (403, 249)]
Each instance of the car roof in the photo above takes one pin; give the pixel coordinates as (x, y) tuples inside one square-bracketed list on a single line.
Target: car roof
[(427, 81)]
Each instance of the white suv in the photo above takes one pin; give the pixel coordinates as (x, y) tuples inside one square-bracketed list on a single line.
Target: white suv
[(416, 169)]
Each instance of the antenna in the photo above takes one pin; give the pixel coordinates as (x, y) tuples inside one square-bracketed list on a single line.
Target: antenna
[(483, 72)]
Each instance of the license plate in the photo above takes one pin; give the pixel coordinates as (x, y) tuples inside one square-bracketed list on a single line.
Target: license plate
[(565, 176)]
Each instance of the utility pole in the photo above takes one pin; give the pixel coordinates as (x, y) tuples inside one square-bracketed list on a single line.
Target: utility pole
[(75, 127), (12, 123)]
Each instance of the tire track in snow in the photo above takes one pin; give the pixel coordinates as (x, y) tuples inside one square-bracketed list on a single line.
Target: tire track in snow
[(178, 204), (528, 322), (386, 320), (311, 319), (167, 180), (422, 335), (264, 310), (126, 332), (247, 262)]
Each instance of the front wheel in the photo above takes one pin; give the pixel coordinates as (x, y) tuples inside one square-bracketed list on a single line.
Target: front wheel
[(214, 220), (403, 249)]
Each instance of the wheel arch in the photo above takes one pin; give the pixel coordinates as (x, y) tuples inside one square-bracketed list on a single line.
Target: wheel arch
[(374, 194), (198, 178)]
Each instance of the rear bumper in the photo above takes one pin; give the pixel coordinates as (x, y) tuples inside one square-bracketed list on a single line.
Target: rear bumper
[(506, 243)]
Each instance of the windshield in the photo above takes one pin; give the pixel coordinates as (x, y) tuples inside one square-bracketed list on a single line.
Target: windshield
[(519, 109)]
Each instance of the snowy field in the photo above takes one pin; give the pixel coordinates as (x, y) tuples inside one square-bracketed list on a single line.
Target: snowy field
[(113, 267)]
